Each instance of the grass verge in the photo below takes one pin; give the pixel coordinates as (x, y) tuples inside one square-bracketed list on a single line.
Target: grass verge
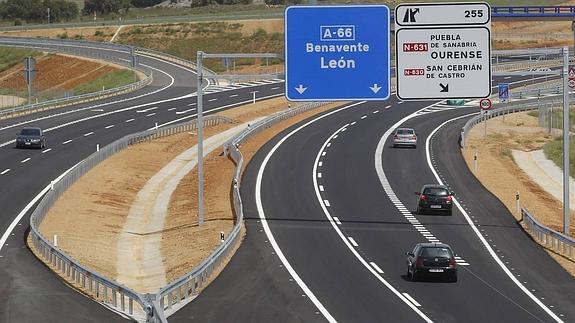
[(108, 81), (10, 57), (554, 151)]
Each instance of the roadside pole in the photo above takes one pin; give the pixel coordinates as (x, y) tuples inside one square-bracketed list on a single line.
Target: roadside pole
[(566, 148), (200, 142)]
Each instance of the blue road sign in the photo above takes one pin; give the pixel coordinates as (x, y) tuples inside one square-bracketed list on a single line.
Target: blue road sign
[(503, 92), (337, 53)]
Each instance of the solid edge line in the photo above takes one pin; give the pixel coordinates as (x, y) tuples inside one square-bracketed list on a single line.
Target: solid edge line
[(25, 210), (411, 299), (479, 235), (348, 244), (266, 226)]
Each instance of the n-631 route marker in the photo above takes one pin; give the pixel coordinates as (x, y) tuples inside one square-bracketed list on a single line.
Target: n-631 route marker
[(443, 51), (337, 53)]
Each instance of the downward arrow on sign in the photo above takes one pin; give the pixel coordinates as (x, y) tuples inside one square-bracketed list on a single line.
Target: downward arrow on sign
[(300, 89), (375, 88)]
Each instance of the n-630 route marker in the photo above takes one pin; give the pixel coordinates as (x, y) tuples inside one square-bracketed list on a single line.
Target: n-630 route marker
[(443, 51), (337, 53)]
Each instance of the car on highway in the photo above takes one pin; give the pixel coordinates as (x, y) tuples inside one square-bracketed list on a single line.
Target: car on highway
[(32, 137), (404, 137), (433, 260), (434, 197)]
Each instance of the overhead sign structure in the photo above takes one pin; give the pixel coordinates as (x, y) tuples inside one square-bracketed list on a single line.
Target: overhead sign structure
[(443, 51), (503, 92), (337, 53)]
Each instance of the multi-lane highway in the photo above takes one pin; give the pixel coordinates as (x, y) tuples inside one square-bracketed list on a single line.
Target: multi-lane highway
[(330, 210), (29, 292), (329, 215)]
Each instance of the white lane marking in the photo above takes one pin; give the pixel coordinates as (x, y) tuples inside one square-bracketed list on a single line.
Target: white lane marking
[(67, 142), (352, 241), (321, 188), (329, 144), (185, 111), (507, 77), (88, 134), (320, 164), (234, 95), (264, 222), (363, 117), (130, 120), (172, 109), (25, 160), (28, 207), (376, 111), (318, 175), (372, 267), (389, 106), (326, 202), (216, 109), (4, 172), (275, 88), (110, 126), (334, 136), (211, 100), (376, 267), (351, 124), (337, 221), (146, 110), (97, 110), (323, 154), (47, 150), (477, 233), (411, 299), (151, 114), (191, 104)]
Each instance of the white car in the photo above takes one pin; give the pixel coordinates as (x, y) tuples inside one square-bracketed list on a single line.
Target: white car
[(404, 137)]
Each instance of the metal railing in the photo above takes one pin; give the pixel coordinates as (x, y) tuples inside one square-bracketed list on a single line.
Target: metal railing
[(76, 48), (509, 108), (97, 286), (51, 104), (180, 292), (547, 237)]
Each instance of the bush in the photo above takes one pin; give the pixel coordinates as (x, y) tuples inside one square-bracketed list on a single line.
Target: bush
[(63, 35), (99, 33), (17, 22)]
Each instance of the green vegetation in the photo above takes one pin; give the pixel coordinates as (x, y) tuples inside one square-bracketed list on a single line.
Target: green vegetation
[(36, 10), (554, 151), (213, 37), (108, 81), (12, 56)]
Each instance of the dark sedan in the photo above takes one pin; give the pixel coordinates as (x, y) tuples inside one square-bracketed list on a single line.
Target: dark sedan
[(30, 137), (431, 260), (434, 197)]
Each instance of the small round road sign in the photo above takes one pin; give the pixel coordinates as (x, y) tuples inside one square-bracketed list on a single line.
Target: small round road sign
[(572, 83), (485, 104)]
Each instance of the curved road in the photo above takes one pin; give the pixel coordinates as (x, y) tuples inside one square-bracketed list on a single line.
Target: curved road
[(29, 292), (345, 219)]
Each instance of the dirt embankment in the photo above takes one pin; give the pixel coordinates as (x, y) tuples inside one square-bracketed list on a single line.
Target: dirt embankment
[(498, 172), (89, 216), (56, 73)]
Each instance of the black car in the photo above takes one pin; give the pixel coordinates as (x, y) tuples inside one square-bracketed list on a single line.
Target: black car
[(431, 260), (30, 137), (434, 197)]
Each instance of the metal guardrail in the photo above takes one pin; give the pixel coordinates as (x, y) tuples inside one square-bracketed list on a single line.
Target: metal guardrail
[(512, 107), (75, 48), (98, 286), (180, 292), (547, 237)]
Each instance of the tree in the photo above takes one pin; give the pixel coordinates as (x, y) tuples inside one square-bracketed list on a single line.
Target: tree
[(104, 7), (29, 10), (145, 3), (61, 10)]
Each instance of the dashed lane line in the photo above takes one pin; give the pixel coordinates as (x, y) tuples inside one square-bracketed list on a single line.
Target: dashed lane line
[(4, 172), (25, 160), (67, 142), (110, 126)]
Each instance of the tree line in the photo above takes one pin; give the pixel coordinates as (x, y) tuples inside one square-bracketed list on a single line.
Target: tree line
[(65, 10)]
